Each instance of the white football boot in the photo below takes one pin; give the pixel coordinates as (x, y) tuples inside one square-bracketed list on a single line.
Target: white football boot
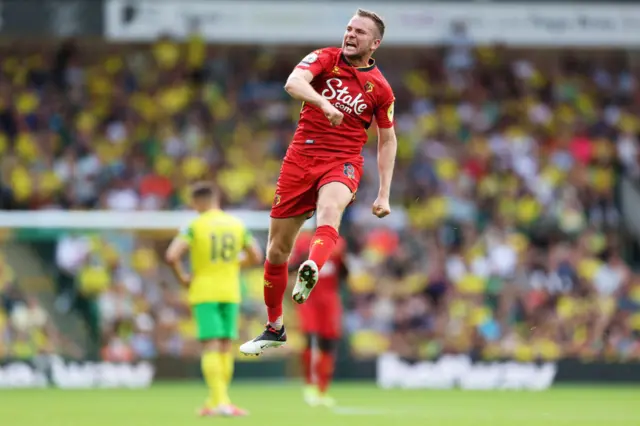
[(305, 282), (270, 338)]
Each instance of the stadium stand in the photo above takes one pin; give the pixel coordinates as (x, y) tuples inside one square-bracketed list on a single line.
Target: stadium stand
[(507, 243)]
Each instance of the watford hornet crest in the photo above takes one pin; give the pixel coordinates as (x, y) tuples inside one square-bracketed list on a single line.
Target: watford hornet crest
[(368, 87)]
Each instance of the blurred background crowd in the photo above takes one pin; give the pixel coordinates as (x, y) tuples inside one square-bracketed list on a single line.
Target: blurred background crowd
[(505, 241)]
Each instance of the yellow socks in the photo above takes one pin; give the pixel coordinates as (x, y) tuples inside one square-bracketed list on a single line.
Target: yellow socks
[(214, 370), (228, 362)]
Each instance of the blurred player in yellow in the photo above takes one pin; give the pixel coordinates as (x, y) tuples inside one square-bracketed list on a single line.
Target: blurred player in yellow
[(219, 245)]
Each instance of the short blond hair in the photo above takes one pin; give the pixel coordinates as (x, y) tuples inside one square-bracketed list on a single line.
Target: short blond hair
[(375, 18)]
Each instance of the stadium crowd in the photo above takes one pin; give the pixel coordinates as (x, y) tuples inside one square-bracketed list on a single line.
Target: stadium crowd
[(25, 327), (504, 241)]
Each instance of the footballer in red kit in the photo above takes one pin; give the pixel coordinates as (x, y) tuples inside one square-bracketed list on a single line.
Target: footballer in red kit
[(343, 93), (321, 321), (321, 154)]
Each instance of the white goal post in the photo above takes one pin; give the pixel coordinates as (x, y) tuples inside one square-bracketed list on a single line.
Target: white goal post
[(117, 220)]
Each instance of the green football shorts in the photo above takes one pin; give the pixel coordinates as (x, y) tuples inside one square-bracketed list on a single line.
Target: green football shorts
[(216, 320)]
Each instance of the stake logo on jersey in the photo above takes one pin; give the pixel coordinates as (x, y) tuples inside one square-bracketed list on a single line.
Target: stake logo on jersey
[(345, 101), (363, 95)]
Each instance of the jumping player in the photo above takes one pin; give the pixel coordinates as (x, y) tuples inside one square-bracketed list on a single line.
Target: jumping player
[(321, 321), (216, 240), (342, 92)]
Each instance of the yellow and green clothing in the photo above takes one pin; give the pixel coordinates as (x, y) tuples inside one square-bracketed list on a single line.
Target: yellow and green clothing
[(216, 240)]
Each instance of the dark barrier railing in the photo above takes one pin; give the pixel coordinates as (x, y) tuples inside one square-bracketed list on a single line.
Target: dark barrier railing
[(55, 372)]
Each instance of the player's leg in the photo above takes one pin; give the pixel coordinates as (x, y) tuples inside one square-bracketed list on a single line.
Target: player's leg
[(310, 391), (228, 332), (282, 235), (309, 320), (306, 358), (294, 202), (207, 322), (324, 368), (329, 333), (333, 199)]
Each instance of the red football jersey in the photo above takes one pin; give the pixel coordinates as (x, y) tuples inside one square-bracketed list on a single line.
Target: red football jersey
[(329, 277), (362, 94)]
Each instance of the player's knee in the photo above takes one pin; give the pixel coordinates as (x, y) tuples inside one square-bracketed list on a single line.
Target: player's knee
[(224, 345), (210, 345), (278, 252), (329, 213)]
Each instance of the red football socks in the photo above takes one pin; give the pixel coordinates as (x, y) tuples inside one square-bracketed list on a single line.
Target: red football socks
[(322, 244), (307, 368), (275, 284), (324, 370)]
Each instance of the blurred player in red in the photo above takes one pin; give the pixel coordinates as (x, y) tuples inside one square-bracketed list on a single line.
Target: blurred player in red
[(321, 321), (343, 92)]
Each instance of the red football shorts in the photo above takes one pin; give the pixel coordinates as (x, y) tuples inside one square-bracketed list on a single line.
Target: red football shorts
[(302, 176), (322, 316)]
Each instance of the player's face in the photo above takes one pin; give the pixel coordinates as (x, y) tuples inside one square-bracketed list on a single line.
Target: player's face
[(360, 39)]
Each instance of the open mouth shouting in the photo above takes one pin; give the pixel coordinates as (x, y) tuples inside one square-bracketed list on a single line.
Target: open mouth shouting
[(350, 47)]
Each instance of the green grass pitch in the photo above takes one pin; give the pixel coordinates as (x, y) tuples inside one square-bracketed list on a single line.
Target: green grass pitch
[(280, 404)]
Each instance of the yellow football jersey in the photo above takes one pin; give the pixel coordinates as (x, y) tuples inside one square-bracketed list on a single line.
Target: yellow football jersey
[(216, 240)]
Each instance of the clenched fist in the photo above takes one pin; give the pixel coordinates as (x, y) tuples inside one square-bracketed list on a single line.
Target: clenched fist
[(333, 114), (381, 207)]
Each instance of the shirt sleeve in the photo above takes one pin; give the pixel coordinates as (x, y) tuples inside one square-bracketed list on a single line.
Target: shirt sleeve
[(316, 62), (248, 239), (186, 233), (384, 113)]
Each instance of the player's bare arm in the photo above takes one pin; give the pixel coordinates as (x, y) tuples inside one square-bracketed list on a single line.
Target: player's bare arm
[(252, 255), (387, 147), (177, 249), (298, 85)]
